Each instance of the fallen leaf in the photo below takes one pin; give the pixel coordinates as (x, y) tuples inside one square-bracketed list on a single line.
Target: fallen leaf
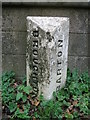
[(34, 118), (21, 110), (18, 106), (15, 85), (75, 102), (35, 102), (68, 111), (71, 107)]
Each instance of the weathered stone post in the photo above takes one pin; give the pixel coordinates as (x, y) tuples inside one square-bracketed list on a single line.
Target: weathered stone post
[(47, 53)]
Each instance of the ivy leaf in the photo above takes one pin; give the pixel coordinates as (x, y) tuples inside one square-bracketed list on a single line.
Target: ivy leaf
[(19, 96), (24, 80), (24, 98), (21, 87), (27, 89), (12, 106), (69, 116)]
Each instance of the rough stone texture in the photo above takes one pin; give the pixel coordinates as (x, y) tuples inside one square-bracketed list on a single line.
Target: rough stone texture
[(78, 45), (16, 44), (47, 51), (12, 19), (81, 63), (14, 23)]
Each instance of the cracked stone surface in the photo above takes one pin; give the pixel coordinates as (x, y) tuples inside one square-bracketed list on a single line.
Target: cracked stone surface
[(46, 55)]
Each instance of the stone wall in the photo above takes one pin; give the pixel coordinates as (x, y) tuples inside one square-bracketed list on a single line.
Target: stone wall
[(14, 35)]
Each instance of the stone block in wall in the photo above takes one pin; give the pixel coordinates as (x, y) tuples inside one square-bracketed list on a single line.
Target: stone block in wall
[(89, 45), (89, 51), (11, 19), (78, 44), (17, 63), (14, 42), (79, 21), (0, 22), (79, 63), (14, 18)]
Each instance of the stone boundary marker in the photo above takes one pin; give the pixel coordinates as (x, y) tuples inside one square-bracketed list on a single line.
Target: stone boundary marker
[(47, 52)]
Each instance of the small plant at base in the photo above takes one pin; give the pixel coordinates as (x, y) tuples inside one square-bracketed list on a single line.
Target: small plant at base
[(71, 102), (15, 96)]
